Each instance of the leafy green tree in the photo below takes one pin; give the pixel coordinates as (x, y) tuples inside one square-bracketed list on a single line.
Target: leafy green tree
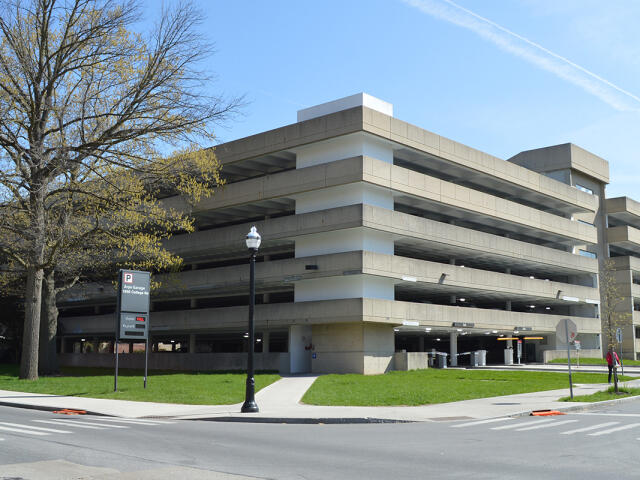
[(87, 106)]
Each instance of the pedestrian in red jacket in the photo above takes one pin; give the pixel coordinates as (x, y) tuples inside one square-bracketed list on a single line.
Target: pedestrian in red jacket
[(611, 357)]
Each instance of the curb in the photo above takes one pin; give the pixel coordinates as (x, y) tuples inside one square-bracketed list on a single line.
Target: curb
[(305, 421), (327, 420)]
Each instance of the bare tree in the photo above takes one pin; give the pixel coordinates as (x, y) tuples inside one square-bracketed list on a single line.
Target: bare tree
[(86, 107)]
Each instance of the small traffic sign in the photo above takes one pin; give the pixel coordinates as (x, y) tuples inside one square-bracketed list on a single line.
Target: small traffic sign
[(566, 330), (619, 335)]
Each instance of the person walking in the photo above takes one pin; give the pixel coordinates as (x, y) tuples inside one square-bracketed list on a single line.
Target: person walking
[(611, 358)]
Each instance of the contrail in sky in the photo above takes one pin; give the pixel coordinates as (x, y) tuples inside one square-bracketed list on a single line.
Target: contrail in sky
[(530, 51)]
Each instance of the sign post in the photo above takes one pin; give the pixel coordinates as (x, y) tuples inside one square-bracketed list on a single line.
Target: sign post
[(567, 330), (619, 339), (132, 313)]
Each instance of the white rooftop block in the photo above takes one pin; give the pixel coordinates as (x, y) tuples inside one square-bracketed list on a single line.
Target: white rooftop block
[(357, 100)]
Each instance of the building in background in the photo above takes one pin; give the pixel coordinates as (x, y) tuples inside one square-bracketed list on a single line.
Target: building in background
[(381, 242), (623, 242)]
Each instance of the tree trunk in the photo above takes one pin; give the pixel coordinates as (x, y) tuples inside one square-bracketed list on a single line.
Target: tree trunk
[(48, 357), (33, 297), (33, 290)]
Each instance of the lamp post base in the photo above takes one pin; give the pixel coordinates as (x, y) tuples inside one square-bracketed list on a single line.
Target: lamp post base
[(249, 407)]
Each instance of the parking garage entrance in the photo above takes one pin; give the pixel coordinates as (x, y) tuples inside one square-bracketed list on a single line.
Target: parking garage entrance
[(462, 345)]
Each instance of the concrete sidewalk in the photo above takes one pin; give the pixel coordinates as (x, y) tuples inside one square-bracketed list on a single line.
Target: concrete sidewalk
[(280, 402)]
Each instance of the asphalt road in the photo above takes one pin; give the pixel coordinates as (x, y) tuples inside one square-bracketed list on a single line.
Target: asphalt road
[(592, 445)]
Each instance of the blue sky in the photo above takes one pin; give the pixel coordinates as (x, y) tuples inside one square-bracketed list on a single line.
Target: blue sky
[(501, 76)]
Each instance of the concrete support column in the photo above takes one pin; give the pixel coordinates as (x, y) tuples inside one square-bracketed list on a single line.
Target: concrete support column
[(507, 305), (453, 348), (266, 298), (265, 341), (192, 343), (452, 299), (452, 261), (96, 309), (62, 339), (193, 303), (366, 348), (507, 270)]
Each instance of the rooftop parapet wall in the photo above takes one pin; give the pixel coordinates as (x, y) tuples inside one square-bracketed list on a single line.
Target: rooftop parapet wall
[(564, 156), (404, 134), (424, 141)]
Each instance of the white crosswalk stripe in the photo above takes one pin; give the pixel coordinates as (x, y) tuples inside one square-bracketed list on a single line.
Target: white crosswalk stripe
[(481, 422), (136, 421), (523, 424), (615, 429), (57, 422), (42, 429), (83, 422), (596, 430), (22, 430), (547, 425), (587, 429)]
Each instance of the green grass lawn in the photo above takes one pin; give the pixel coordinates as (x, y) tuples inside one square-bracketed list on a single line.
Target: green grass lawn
[(421, 387), (608, 394), (203, 388), (593, 361)]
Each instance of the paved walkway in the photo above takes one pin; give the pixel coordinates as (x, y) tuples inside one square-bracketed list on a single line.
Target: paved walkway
[(280, 402)]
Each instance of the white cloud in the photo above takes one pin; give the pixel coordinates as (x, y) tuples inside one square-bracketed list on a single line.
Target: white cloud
[(530, 51)]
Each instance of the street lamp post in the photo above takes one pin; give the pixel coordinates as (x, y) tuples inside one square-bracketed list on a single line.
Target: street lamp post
[(253, 243)]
